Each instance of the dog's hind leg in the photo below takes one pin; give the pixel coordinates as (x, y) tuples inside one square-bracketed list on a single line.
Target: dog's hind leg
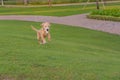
[(39, 41), (38, 38), (38, 35)]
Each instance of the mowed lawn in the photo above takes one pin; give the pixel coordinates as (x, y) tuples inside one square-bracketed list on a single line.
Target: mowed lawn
[(53, 11), (73, 54)]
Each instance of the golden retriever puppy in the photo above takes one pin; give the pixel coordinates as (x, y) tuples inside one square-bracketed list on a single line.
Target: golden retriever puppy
[(43, 32)]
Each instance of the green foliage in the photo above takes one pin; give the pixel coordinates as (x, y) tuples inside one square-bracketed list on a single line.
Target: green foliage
[(115, 12), (107, 14), (73, 54), (101, 17)]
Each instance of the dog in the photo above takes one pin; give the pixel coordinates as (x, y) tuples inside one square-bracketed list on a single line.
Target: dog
[(43, 32)]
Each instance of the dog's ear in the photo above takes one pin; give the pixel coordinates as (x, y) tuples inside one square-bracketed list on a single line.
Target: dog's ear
[(42, 24), (45, 24), (49, 24)]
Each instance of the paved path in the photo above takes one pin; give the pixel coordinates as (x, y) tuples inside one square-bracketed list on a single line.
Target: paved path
[(75, 20)]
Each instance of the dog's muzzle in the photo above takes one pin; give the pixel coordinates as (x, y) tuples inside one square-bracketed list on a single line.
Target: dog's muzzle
[(47, 29)]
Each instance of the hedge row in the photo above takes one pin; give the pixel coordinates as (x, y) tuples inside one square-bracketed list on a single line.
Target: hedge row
[(101, 17), (115, 12), (106, 14)]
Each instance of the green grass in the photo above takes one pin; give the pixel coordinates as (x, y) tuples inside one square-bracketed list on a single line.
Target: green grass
[(73, 54), (53, 11)]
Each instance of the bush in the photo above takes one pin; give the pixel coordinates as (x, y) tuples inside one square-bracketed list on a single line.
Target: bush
[(107, 14), (100, 17)]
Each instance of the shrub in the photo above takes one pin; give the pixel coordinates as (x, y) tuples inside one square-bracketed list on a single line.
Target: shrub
[(107, 14), (100, 17)]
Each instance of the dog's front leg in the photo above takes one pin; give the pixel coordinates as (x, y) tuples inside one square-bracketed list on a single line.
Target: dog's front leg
[(43, 39)]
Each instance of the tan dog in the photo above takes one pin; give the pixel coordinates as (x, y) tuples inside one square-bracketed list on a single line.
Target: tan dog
[(43, 32)]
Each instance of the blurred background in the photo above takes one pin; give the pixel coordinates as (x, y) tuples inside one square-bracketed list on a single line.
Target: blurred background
[(43, 2)]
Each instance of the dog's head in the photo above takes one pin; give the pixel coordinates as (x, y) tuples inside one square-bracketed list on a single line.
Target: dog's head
[(46, 26)]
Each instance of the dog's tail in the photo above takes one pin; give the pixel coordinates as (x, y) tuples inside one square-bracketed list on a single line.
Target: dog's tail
[(34, 28)]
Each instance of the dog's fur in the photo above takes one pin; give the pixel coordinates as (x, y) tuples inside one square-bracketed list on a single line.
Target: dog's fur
[(43, 32)]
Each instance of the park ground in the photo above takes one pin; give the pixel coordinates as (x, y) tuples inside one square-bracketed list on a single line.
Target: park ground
[(73, 54)]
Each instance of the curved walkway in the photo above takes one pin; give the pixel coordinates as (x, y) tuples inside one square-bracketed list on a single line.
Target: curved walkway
[(75, 20)]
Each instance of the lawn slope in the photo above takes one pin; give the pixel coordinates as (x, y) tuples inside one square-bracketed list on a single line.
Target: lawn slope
[(73, 54)]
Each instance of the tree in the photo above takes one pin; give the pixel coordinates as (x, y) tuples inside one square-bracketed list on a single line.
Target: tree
[(2, 2), (97, 4), (49, 3), (26, 2), (104, 1)]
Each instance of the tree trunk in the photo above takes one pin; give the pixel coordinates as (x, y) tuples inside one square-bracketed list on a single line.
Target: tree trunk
[(97, 4), (26, 2), (49, 3), (104, 1), (2, 3)]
